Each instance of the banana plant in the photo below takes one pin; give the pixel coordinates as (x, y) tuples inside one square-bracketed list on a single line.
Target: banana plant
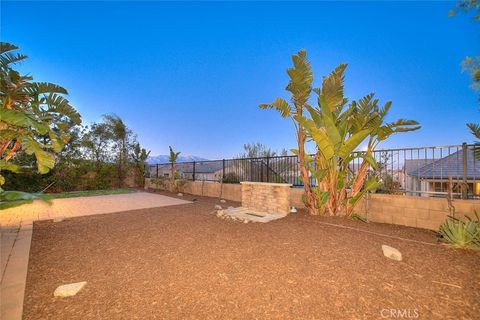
[(300, 88), (338, 129), (34, 117)]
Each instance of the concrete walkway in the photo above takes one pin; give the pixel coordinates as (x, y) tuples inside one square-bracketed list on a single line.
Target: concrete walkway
[(16, 226)]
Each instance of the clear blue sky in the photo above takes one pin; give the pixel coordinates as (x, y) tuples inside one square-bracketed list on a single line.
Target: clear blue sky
[(192, 75)]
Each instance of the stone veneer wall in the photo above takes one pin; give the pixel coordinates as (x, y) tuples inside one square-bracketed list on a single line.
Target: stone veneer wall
[(266, 197), (420, 212)]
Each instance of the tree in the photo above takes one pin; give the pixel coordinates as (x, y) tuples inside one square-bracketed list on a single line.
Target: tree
[(121, 135), (300, 88), (96, 142), (259, 150), (338, 128), (139, 156), (470, 64), (467, 6), (34, 117)]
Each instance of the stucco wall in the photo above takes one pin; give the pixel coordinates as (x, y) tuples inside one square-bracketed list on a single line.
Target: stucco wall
[(420, 212)]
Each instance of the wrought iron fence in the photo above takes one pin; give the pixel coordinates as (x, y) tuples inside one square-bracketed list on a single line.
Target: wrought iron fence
[(424, 171)]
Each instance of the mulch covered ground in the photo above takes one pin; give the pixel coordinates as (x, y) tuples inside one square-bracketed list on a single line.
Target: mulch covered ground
[(182, 262)]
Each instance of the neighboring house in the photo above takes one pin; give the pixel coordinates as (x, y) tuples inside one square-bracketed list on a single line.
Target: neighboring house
[(431, 177), (204, 171)]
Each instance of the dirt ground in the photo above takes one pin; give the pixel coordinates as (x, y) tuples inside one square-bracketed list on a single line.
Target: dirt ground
[(182, 262)]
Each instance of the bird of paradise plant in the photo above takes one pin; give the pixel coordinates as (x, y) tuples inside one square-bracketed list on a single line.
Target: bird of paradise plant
[(338, 129), (34, 118)]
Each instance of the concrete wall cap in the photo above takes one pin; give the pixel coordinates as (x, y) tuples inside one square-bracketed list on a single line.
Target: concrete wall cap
[(267, 183)]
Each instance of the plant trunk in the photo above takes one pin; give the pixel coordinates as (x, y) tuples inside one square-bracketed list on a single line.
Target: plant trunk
[(357, 186), (310, 199)]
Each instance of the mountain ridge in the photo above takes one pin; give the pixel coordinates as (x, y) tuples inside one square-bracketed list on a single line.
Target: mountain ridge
[(163, 158)]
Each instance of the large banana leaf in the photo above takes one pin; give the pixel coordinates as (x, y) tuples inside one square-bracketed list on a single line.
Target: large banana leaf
[(281, 105), (353, 142), (320, 137), (10, 199)]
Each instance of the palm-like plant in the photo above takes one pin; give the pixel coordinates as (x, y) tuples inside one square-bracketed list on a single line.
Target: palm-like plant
[(139, 156), (34, 117), (300, 87), (30, 110), (172, 158), (338, 130)]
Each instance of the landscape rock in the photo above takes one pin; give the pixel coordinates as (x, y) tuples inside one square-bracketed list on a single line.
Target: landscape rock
[(391, 253), (218, 207), (180, 194), (223, 200), (68, 290)]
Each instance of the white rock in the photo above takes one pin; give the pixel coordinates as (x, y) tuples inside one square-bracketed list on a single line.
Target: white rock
[(223, 200), (245, 221), (391, 253), (58, 219), (180, 194), (68, 290), (218, 207)]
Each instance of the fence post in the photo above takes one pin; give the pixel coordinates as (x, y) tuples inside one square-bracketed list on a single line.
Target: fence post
[(193, 174), (464, 171), (268, 169), (251, 171), (223, 169), (157, 170)]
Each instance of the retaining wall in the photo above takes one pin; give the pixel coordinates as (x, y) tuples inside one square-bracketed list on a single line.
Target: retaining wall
[(420, 212)]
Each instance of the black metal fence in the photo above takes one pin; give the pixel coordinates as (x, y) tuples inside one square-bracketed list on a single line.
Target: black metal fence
[(423, 171)]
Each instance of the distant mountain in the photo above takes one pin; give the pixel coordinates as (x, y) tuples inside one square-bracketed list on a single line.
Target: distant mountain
[(164, 159)]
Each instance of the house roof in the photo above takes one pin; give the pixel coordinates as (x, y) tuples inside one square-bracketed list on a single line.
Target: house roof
[(412, 165), (449, 166)]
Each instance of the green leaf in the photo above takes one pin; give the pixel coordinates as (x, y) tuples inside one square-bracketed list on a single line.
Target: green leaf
[(353, 142), (322, 196), (9, 199), (321, 138), (8, 166), (57, 143), (330, 127), (45, 160), (331, 95), (15, 118)]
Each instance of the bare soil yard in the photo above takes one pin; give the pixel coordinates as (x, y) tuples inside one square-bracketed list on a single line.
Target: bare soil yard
[(182, 262)]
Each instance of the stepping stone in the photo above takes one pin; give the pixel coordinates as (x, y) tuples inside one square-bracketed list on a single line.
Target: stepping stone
[(69, 290), (391, 253)]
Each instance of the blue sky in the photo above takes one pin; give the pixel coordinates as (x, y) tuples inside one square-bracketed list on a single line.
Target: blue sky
[(192, 75)]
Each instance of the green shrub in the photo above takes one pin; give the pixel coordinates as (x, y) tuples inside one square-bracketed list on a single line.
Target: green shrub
[(461, 234), (231, 177)]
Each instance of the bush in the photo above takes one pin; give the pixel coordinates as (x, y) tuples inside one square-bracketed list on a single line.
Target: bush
[(78, 176), (231, 178), (461, 234)]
